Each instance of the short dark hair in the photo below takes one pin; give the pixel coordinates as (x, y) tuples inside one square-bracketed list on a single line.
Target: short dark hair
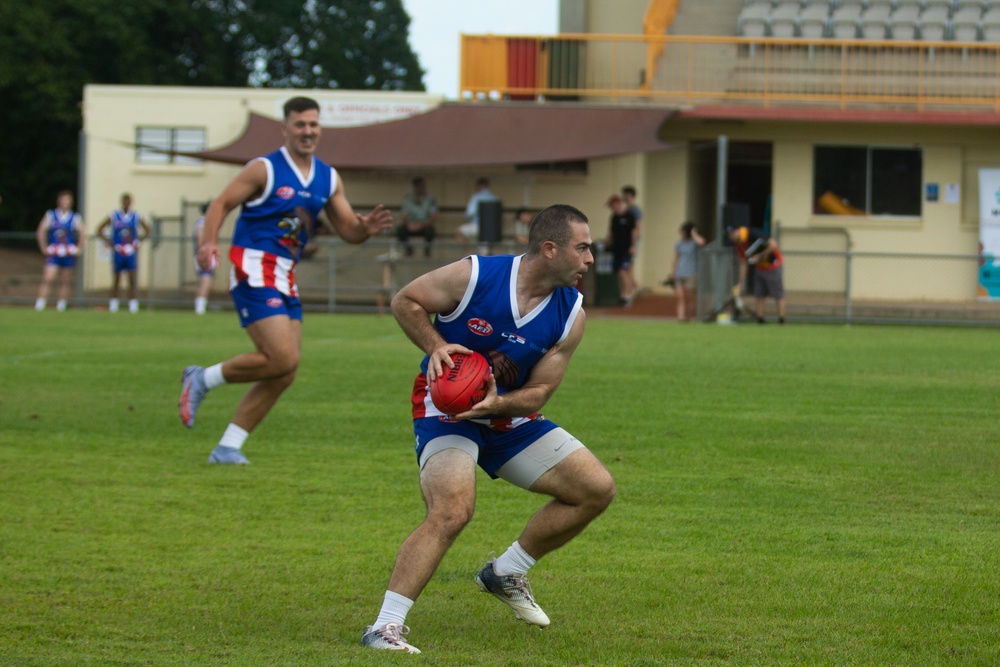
[(299, 104), (482, 180), (687, 228), (628, 190), (418, 180), (553, 224)]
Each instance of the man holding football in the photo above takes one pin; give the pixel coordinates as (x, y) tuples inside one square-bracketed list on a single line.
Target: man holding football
[(281, 195), (524, 315)]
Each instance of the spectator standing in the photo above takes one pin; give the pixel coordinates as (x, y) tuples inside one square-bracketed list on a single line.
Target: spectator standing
[(684, 274), (622, 236), (757, 249)]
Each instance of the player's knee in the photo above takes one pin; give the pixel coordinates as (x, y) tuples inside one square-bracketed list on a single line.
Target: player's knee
[(450, 521), (602, 491)]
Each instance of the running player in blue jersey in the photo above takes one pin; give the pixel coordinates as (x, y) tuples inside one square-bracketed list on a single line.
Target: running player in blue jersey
[(127, 230), (61, 236), (280, 195), (523, 314)]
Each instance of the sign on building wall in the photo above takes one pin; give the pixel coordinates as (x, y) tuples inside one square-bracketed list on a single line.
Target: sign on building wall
[(989, 234), (360, 111)]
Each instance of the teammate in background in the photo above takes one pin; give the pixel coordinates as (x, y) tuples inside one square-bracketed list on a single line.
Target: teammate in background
[(128, 229), (623, 234), (281, 194), (757, 249), (523, 314), (204, 275), (61, 235)]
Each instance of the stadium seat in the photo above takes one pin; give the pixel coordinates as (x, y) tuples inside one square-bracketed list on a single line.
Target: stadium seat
[(964, 4), (874, 22), (934, 24), (784, 19), (844, 21), (755, 14), (966, 23), (814, 20), (946, 5), (903, 22), (754, 27), (919, 4), (991, 25)]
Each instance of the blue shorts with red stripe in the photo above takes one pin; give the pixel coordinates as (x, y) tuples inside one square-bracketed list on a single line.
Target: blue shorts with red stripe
[(256, 303), (67, 262), (496, 447), (124, 263)]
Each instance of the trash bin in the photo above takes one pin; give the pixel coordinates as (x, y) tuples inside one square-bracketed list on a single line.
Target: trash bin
[(605, 281)]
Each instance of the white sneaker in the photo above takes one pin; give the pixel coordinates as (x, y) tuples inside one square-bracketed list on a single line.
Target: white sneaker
[(514, 591), (388, 638)]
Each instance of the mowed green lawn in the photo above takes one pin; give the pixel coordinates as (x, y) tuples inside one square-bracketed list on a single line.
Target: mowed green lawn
[(797, 495)]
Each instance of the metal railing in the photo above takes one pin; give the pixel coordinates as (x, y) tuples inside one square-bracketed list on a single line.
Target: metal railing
[(823, 282), (765, 71)]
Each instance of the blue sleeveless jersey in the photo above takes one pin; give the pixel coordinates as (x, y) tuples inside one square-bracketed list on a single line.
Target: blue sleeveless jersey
[(280, 220), (62, 233), (487, 321), (124, 232)]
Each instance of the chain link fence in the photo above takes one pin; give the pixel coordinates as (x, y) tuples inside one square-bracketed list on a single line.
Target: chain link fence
[(825, 280)]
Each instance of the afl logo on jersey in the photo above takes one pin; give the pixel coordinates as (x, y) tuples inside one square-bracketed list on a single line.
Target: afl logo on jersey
[(274, 302), (480, 327), (285, 192)]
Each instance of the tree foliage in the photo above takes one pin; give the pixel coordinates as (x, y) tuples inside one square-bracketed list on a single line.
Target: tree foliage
[(52, 48)]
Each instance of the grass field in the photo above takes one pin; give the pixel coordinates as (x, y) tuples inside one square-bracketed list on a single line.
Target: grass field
[(797, 495)]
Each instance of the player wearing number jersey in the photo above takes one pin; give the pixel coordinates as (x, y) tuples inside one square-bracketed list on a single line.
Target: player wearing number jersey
[(524, 314), (281, 194)]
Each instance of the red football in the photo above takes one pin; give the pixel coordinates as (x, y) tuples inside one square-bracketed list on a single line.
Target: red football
[(457, 389)]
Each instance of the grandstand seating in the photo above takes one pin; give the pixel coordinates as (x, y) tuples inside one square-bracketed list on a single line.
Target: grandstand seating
[(928, 20)]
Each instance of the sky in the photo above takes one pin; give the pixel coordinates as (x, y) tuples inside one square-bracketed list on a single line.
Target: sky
[(435, 27)]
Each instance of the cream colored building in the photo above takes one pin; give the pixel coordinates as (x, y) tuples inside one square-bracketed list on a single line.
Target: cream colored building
[(773, 155)]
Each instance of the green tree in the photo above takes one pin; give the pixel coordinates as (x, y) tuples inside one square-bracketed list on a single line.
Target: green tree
[(50, 49)]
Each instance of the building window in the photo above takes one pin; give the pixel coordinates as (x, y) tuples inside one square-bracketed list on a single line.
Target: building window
[(157, 145), (867, 180)]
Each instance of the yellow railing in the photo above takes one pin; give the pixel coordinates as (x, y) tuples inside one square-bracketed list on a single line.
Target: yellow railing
[(704, 70)]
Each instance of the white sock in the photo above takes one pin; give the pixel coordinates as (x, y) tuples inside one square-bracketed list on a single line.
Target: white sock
[(61, 304), (394, 609), (213, 377), (234, 437), (113, 305), (133, 305), (39, 304), (513, 561), (199, 305)]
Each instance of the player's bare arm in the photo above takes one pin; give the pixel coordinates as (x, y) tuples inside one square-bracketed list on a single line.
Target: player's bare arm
[(351, 226), (248, 184), (101, 229), (439, 291), (81, 235), (545, 378), (40, 234)]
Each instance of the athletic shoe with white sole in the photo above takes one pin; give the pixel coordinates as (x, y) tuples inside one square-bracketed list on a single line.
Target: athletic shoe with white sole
[(193, 390), (229, 455), (514, 591), (388, 638)]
